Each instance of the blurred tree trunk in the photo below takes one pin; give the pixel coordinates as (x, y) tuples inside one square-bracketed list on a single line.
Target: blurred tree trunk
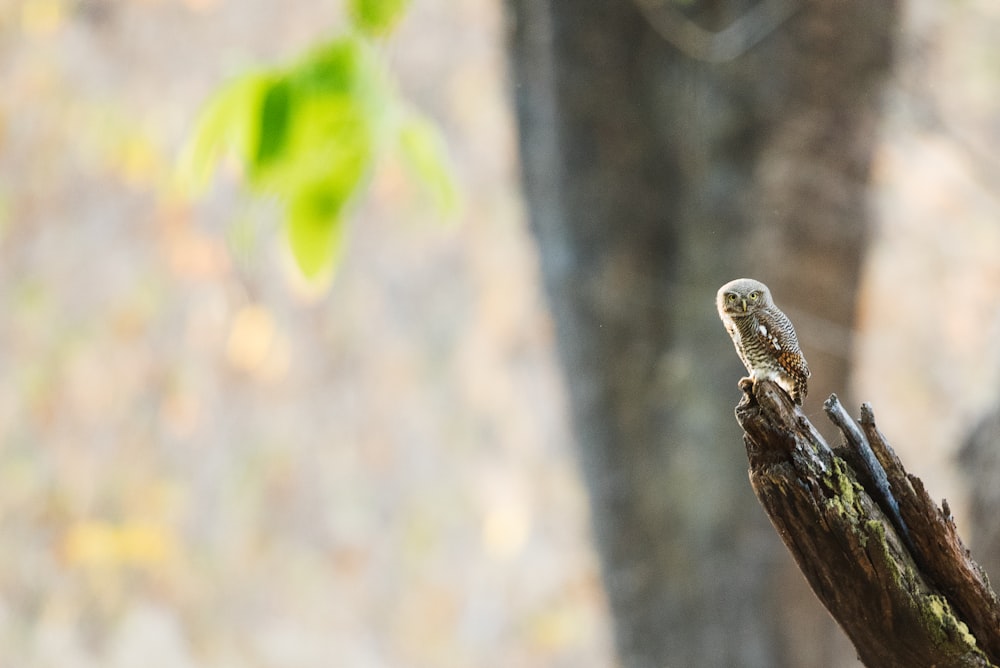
[(980, 461), (652, 176)]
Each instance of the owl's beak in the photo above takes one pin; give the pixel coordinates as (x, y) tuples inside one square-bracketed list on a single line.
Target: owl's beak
[(744, 306)]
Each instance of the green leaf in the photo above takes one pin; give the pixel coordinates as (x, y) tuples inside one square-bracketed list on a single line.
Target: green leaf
[(377, 17), (315, 230), (330, 135), (224, 125), (333, 68), (424, 152), (311, 133), (275, 116), (315, 213)]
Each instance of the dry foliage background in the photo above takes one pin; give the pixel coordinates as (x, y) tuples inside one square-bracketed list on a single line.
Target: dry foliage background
[(205, 462)]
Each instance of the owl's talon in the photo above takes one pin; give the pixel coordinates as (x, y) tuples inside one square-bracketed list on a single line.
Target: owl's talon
[(746, 384)]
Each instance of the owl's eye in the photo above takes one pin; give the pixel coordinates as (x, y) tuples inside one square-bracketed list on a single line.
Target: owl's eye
[(731, 297), (754, 296)]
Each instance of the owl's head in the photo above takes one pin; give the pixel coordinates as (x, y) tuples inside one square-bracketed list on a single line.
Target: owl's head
[(742, 297)]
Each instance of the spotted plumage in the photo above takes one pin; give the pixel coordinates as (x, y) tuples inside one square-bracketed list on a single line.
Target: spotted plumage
[(764, 337)]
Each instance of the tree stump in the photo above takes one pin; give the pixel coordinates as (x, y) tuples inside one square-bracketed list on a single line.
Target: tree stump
[(884, 560)]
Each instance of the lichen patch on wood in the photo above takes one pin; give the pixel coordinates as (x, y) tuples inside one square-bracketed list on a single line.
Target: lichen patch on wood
[(883, 559)]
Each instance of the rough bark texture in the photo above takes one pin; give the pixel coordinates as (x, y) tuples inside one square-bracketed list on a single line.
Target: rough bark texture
[(928, 604), (652, 178)]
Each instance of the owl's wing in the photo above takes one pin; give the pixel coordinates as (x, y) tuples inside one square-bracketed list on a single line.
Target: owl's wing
[(773, 339), (780, 339)]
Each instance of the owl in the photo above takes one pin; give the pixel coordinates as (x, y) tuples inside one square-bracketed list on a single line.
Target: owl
[(764, 337)]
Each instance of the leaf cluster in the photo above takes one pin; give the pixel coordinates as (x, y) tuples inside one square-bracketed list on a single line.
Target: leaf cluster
[(310, 133)]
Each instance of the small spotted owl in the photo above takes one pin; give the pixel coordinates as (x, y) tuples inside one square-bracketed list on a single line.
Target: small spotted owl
[(763, 335)]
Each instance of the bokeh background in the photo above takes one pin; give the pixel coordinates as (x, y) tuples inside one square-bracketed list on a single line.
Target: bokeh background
[(205, 461)]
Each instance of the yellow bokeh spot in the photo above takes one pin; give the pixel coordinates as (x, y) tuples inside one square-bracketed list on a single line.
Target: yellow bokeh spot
[(250, 337), (42, 17), (505, 530), (193, 255), (256, 345), (96, 543), (202, 5), (554, 629), (139, 159)]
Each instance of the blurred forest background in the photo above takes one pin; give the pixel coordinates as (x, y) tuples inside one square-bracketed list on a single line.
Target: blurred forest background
[(206, 461)]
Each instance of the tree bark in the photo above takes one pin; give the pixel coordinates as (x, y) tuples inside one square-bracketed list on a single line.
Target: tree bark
[(887, 563), (652, 177)]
